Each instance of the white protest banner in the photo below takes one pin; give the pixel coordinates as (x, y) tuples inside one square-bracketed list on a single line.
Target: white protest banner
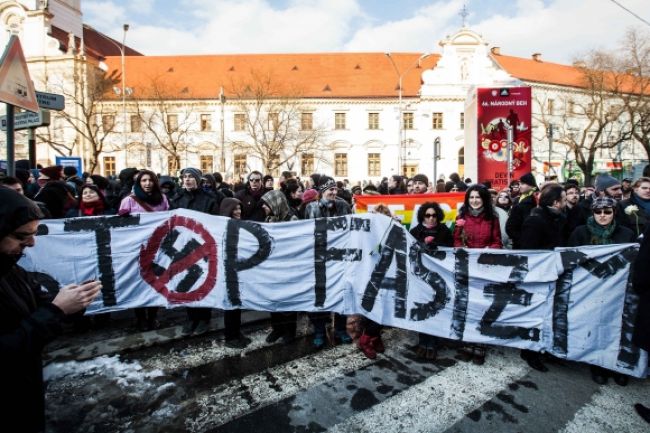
[(575, 304)]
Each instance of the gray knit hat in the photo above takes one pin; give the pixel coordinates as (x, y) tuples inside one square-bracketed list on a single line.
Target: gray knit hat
[(194, 172), (605, 181)]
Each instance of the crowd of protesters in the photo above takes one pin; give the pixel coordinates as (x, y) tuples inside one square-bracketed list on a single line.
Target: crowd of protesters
[(521, 216)]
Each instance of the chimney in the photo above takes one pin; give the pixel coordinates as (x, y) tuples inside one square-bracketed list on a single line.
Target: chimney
[(537, 57), (496, 51)]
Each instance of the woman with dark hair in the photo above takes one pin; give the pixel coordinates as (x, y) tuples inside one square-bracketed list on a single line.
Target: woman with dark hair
[(477, 226), (293, 192), (503, 200), (602, 229), (145, 197), (432, 232), (92, 201), (208, 184), (396, 184)]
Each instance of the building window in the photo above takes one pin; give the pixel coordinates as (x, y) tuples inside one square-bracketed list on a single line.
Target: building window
[(172, 122), (409, 170), (207, 163), (462, 120), (340, 164), (307, 121), (173, 165), (374, 164), (240, 122), (274, 121), (571, 107), (109, 166), (436, 121), (373, 120), (136, 123), (550, 106), (240, 165), (590, 109), (307, 164), (206, 122), (407, 120), (108, 122), (339, 120)]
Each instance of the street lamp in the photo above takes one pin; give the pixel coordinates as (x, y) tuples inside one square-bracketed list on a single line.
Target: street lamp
[(550, 147), (125, 28), (222, 99), (400, 128)]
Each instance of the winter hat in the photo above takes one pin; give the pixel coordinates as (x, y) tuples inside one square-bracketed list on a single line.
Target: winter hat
[(53, 172), (528, 179), (194, 172), (22, 175), (326, 183), (605, 181), (16, 210), (602, 202), (309, 196), (69, 170), (421, 178), (100, 181)]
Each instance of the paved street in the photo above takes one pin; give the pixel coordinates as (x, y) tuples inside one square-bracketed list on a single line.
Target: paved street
[(157, 381)]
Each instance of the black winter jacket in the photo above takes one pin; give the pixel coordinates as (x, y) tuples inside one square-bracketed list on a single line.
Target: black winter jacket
[(515, 222), (641, 282), (197, 200), (442, 236), (582, 236), (543, 230)]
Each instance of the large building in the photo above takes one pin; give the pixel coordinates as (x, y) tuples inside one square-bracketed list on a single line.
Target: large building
[(360, 116)]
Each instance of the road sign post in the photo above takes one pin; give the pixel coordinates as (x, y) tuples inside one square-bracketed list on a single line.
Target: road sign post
[(26, 120), (50, 101)]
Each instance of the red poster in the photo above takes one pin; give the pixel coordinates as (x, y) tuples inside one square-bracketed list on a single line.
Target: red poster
[(497, 111)]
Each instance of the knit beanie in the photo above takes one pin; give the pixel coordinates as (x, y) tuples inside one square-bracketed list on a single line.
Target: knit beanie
[(194, 172), (605, 181), (326, 183), (309, 195), (421, 178), (528, 179), (53, 172), (603, 202)]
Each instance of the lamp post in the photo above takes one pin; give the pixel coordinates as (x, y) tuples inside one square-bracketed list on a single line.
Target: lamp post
[(436, 157), (550, 147), (400, 128), (222, 99)]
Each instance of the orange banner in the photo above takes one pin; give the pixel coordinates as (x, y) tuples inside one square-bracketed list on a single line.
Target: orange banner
[(405, 206)]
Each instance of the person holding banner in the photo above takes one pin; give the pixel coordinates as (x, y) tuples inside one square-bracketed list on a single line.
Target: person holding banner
[(432, 232), (147, 196), (329, 205), (28, 318), (641, 284), (477, 226), (602, 229)]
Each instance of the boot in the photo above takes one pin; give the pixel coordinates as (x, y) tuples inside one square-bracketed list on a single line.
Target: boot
[(366, 346)]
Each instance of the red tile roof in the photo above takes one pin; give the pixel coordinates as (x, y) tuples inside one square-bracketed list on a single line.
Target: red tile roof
[(540, 71), (321, 75)]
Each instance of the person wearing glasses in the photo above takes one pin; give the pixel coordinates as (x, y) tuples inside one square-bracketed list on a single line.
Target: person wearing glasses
[(432, 233), (29, 318), (602, 229), (251, 207)]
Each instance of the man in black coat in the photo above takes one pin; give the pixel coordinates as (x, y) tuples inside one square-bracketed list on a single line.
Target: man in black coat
[(192, 197), (641, 282), (251, 207), (522, 207), (28, 319)]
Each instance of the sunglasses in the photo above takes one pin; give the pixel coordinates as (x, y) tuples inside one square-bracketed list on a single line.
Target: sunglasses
[(430, 215), (603, 211)]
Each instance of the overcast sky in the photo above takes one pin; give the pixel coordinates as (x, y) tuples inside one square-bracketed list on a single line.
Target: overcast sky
[(559, 29)]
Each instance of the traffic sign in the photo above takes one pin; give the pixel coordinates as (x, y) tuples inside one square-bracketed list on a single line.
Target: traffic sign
[(50, 101), (16, 87), (27, 120)]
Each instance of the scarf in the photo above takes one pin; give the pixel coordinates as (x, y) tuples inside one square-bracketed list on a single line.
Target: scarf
[(91, 209), (644, 204), (475, 212), (600, 235)]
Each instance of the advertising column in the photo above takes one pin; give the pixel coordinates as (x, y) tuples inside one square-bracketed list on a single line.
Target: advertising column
[(499, 110)]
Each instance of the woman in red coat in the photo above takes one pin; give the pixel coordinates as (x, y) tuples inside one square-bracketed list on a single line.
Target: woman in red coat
[(477, 226)]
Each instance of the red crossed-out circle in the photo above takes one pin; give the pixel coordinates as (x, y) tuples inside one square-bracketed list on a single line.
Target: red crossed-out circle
[(159, 282)]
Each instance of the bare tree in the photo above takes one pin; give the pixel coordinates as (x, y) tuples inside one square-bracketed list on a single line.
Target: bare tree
[(593, 120), (276, 124), (92, 121), (635, 63), (166, 117)]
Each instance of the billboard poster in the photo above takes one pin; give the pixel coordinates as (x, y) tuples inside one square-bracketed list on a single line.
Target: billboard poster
[(73, 161), (499, 109)]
